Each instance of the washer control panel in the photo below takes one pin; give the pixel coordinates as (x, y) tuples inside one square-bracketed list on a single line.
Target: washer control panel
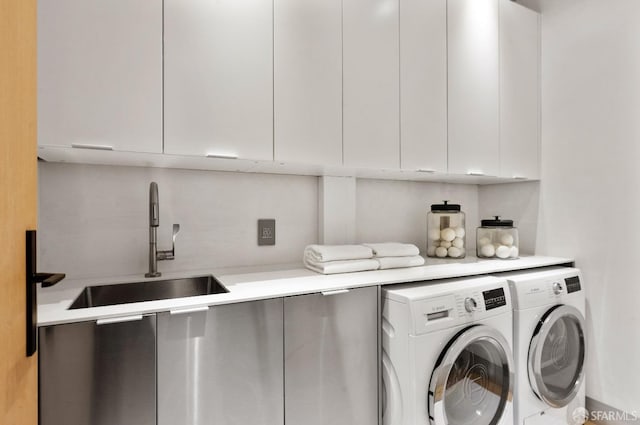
[(494, 298), (443, 304), (470, 305), (573, 284), (557, 288), (469, 302), (547, 287), (480, 301)]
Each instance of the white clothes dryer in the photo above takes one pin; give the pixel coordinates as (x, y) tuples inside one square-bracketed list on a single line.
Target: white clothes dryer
[(447, 353), (549, 346)]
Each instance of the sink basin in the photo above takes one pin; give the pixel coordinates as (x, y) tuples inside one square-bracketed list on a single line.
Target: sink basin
[(124, 293)]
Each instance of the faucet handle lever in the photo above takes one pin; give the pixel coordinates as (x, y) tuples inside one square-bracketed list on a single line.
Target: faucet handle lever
[(176, 230), (170, 254)]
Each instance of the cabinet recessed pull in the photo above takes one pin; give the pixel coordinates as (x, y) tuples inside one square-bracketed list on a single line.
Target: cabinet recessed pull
[(121, 319), (189, 310), (221, 156), (94, 147), (426, 170), (476, 173), (336, 292), (519, 177)]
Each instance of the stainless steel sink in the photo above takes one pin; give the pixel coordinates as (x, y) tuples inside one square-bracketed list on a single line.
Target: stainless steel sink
[(124, 293)]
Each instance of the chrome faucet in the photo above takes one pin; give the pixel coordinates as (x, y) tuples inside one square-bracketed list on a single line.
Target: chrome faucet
[(154, 222)]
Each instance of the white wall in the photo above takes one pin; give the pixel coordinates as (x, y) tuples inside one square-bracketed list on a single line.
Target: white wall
[(93, 220), (389, 210), (589, 197)]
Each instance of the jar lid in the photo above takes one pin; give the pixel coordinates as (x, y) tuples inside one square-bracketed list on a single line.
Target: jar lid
[(496, 222), (445, 206)]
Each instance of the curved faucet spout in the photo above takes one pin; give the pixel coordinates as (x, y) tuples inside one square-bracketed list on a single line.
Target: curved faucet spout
[(154, 223)]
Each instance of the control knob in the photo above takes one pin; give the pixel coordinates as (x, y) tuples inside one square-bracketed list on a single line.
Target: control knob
[(557, 288), (470, 305)]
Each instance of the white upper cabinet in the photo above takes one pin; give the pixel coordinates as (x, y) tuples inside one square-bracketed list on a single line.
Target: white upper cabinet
[(308, 81), (371, 84), (473, 87), (519, 91), (423, 84), (100, 74), (218, 70)]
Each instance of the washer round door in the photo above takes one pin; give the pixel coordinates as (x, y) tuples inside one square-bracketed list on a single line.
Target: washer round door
[(472, 382), (556, 356)]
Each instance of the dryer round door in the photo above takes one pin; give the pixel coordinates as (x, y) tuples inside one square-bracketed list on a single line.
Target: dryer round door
[(472, 381), (556, 356)]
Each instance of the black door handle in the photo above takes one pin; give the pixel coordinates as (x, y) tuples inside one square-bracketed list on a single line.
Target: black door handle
[(48, 279), (33, 278)]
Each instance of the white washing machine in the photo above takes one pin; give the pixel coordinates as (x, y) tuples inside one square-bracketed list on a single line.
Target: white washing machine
[(447, 353), (549, 346)]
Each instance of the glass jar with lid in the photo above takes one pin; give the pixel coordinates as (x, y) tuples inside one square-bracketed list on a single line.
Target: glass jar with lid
[(446, 231), (497, 238)]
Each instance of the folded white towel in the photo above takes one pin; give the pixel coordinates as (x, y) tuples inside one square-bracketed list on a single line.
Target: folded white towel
[(321, 253), (393, 249), (341, 266), (396, 262)]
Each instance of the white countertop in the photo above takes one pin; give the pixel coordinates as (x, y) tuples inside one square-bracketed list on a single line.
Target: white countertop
[(263, 283)]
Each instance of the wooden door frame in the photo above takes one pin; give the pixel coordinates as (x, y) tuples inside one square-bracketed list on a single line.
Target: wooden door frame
[(18, 204)]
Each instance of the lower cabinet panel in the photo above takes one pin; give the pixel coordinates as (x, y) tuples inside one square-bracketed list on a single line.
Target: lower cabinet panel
[(331, 358), (222, 366), (98, 374)]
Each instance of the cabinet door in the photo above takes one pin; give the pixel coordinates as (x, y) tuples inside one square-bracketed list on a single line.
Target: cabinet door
[(218, 66), (98, 374), (331, 358), (371, 84), (473, 86), (423, 84), (519, 91), (221, 366), (100, 74), (308, 81)]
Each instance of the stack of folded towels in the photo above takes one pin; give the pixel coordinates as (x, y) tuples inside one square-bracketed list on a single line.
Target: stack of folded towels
[(392, 255), (330, 259)]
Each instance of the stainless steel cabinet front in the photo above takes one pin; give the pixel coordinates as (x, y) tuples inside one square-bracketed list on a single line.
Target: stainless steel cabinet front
[(331, 358), (98, 374), (221, 365)]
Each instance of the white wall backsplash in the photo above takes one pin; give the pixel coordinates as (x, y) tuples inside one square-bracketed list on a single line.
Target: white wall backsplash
[(93, 220), (518, 202), (388, 210)]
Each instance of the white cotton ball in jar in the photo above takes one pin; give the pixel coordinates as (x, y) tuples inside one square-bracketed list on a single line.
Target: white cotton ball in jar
[(458, 243), (506, 239), (459, 232), (484, 241), (448, 234), (441, 252), (514, 252), (503, 251), (445, 244), (487, 250), (431, 251), (454, 252), (434, 234)]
